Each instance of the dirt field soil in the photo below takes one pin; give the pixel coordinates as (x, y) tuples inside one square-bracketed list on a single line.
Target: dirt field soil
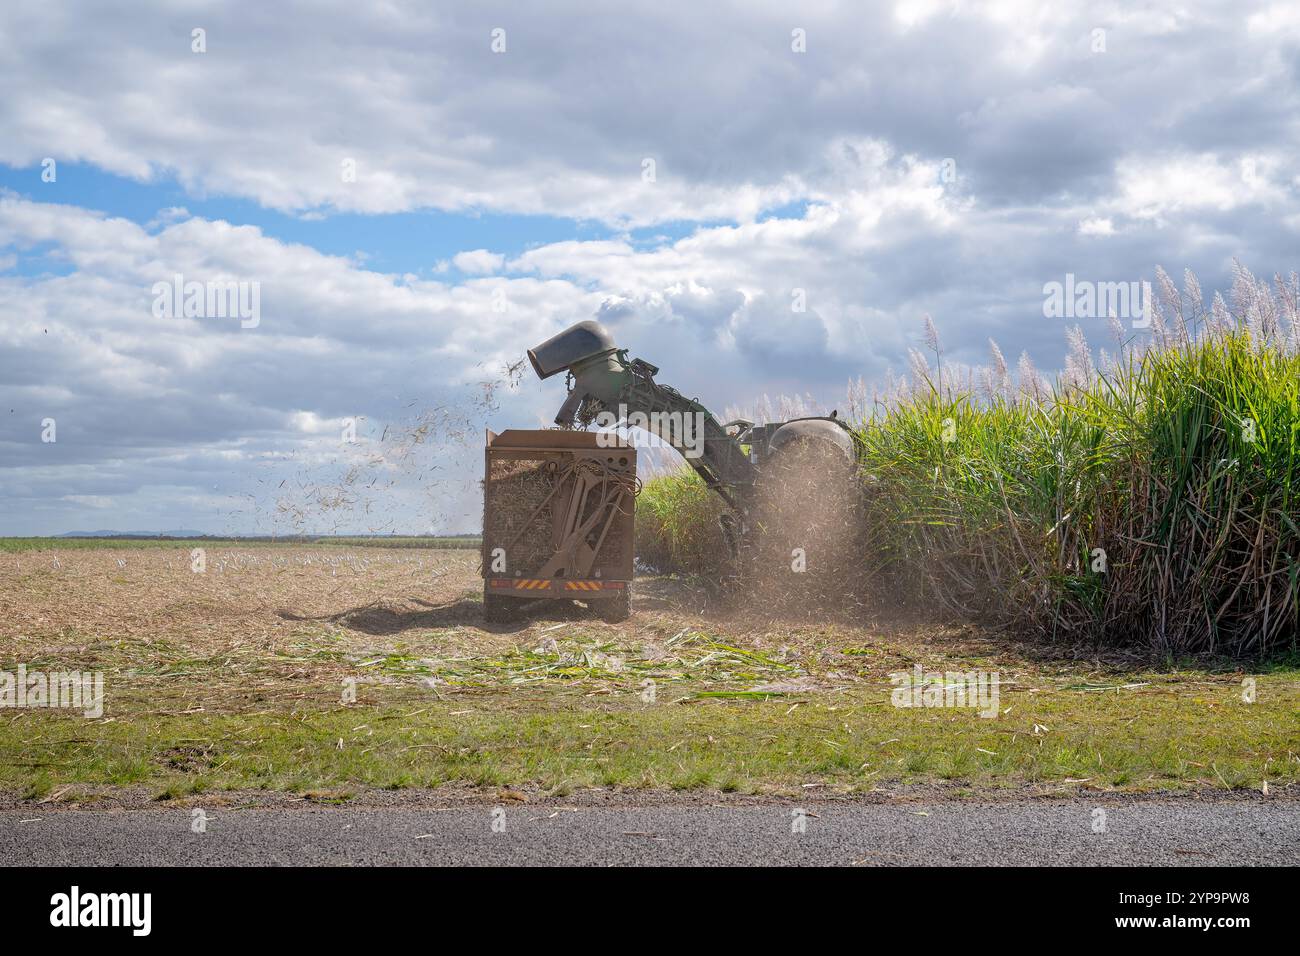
[(332, 671)]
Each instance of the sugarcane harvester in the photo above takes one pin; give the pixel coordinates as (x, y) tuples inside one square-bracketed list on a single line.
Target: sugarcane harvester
[(730, 458), (607, 388)]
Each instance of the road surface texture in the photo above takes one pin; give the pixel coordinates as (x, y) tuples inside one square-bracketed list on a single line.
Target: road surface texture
[(1164, 832)]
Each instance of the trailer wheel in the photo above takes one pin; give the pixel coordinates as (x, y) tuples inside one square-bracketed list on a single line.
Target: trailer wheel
[(499, 609), (616, 609)]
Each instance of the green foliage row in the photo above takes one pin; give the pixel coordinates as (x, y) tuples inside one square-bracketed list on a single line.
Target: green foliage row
[(1154, 504)]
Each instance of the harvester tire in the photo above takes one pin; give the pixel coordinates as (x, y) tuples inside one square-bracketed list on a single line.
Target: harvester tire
[(499, 609), (616, 609)]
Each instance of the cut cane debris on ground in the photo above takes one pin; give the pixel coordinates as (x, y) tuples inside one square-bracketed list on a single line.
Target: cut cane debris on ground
[(237, 679)]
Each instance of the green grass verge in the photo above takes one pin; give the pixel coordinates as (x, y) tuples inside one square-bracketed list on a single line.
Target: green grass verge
[(1157, 736)]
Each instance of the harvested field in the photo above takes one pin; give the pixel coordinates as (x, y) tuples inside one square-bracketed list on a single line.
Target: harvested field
[(235, 678), (255, 619)]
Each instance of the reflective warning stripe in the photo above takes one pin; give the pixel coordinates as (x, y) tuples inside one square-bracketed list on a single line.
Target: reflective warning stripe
[(544, 584)]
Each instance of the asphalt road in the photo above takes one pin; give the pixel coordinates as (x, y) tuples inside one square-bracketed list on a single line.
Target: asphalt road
[(1165, 832)]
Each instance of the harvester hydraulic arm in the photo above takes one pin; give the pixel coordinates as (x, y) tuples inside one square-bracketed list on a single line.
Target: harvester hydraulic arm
[(687, 426), (604, 380)]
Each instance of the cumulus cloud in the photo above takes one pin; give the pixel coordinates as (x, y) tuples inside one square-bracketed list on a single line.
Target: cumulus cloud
[(922, 156), (478, 261), (401, 106), (1096, 226), (137, 397)]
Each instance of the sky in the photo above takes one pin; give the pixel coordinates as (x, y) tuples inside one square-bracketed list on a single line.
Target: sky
[(418, 192)]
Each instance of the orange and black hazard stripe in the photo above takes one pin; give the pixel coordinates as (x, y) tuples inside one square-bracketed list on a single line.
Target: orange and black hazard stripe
[(544, 584), (524, 584)]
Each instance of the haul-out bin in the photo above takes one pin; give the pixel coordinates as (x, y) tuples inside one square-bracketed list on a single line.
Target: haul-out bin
[(558, 521)]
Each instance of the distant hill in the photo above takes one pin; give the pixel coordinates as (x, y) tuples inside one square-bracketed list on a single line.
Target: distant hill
[(133, 534), (184, 533)]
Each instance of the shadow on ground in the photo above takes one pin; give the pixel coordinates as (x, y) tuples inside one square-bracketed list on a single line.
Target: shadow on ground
[(382, 618)]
